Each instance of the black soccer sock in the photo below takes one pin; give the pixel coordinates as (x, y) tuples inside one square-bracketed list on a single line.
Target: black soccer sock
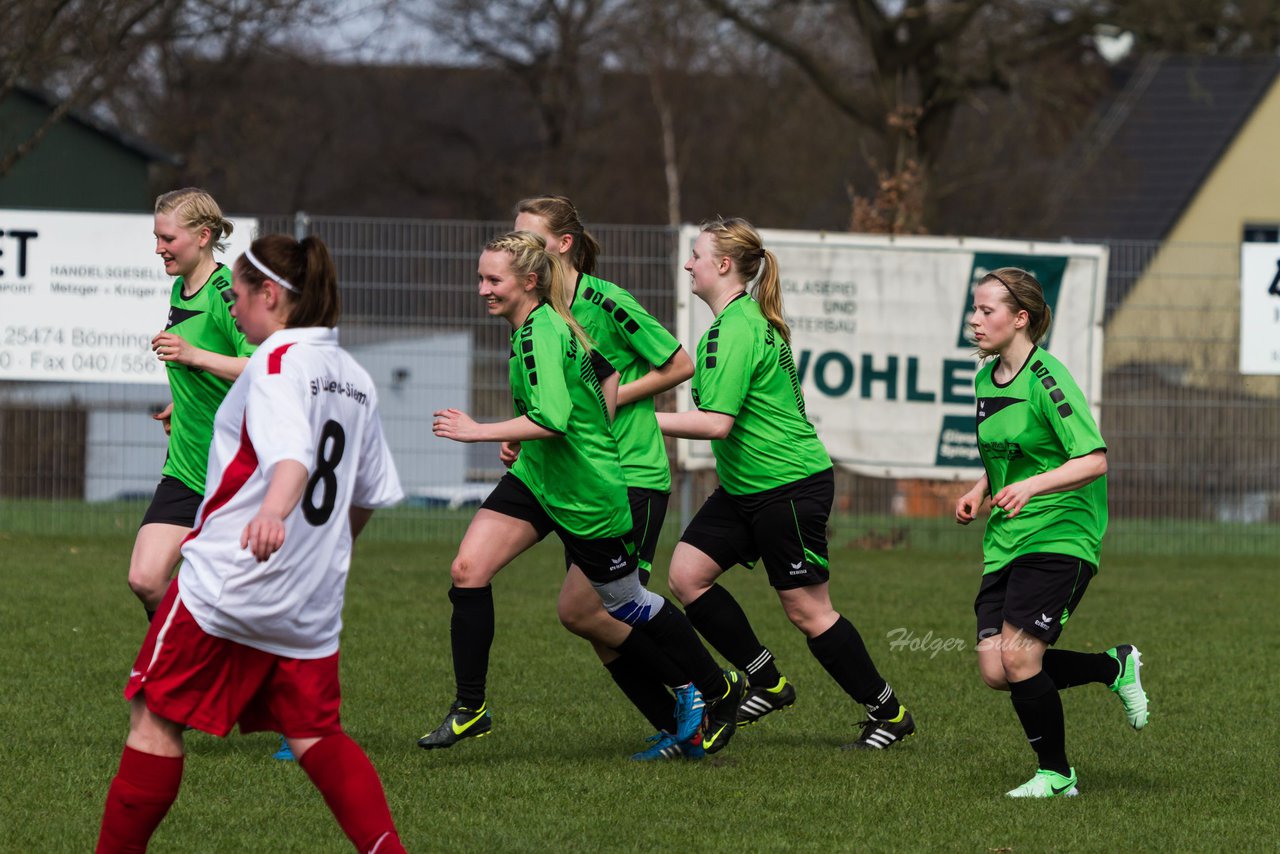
[(471, 633), (671, 630), (644, 689), (721, 620), (1039, 708), (842, 653), (1068, 669)]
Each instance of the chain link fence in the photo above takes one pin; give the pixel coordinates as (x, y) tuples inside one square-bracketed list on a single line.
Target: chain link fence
[(1194, 447)]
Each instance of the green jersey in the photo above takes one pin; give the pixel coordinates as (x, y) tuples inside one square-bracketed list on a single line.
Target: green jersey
[(576, 475), (745, 369), (202, 320), (1034, 423), (633, 342)]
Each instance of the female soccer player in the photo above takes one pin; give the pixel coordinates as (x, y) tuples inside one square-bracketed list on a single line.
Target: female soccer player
[(649, 360), (248, 632), (1046, 467), (776, 488), (567, 479), (203, 352)]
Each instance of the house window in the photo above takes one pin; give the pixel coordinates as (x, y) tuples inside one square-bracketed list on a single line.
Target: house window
[(1259, 233)]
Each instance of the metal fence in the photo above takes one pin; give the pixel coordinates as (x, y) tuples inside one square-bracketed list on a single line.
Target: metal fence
[(1194, 448)]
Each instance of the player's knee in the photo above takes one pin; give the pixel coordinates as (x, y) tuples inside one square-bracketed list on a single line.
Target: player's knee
[(685, 585), (147, 586), (576, 616), (995, 678), (465, 572)]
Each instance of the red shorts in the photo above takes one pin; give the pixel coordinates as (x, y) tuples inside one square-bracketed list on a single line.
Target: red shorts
[(191, 677)]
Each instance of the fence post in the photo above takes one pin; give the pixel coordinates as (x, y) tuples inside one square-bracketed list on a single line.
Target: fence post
[(301, 225)]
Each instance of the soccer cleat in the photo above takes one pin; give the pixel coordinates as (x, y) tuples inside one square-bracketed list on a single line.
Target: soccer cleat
[(722, 715), (761, 701), (284, 754), (692, 749), (1128, 686), (458, 724), (663, 745), (877, 734), (1047, 784), (689, 708)]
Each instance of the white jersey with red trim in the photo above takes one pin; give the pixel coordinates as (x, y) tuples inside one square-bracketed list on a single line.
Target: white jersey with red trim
[(301, 397)]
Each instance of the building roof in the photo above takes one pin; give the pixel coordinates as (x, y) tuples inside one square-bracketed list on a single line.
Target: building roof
[(1154, 145), (122, 137)]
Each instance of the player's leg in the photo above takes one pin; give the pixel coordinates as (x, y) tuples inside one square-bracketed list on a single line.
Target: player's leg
[(493, 539), (1041, 590), (156, 551), (146, 784), (718, 537), (610, 566), (581, 612), (303, 699)]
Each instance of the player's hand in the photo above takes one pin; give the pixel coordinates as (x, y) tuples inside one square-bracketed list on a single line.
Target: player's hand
[(164, 416), (264, 535), (508, 453), (456, 425), (172, 348), (967, 507), (1014, 497)]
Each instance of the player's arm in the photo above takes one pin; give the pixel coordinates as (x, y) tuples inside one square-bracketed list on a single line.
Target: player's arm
[(968, 505), (676, 370), (1073, 474), (265, 532), (359, 517), (609, 388), (174, 348), (695, 424), (460, 427)]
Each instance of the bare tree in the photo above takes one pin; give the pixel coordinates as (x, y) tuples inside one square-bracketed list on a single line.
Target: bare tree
[(551, 47), (112, 55)]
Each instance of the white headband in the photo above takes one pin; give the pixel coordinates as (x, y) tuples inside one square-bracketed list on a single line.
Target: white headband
[(266, 271)]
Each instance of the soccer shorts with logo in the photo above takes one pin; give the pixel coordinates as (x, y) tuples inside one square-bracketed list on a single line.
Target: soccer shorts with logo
[(1037, 593), (786, 527)]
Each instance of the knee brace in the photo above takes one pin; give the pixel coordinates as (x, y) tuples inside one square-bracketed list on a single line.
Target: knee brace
[(627, 600)]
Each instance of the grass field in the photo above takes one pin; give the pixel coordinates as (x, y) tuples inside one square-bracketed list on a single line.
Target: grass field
[(553, 776)]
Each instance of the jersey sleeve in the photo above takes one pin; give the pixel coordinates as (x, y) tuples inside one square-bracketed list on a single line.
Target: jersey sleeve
[(226, 323), (1067, 413), (726, 359), (276, 414), (648, 338), (377, 481), (544, 364)]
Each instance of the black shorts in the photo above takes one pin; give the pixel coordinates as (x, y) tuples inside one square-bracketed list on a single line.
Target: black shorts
[(648, 510), (785, 526), (174, 503), (602, 560), (1037, 593)]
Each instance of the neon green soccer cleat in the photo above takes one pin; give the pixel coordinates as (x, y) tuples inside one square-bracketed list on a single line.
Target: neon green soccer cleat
[(1047, 784), (1128, 685), (458, 724)]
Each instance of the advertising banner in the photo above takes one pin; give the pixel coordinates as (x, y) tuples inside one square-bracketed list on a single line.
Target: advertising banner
[(83, 294), (878, 331)]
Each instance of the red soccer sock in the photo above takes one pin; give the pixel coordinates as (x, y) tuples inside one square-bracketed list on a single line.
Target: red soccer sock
[(350, 786), (140, 795)]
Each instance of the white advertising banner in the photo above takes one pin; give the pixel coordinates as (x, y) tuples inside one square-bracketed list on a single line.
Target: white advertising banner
[(83, 294), (1260, 308), (878, 331)]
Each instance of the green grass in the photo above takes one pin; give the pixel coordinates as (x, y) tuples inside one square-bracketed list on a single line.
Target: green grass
[(553, 775)]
